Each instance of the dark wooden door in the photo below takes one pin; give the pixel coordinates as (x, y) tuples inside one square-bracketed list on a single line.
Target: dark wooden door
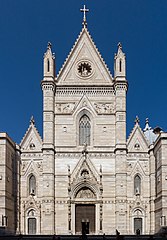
[(138, 226), (85, 218), (32, 226)]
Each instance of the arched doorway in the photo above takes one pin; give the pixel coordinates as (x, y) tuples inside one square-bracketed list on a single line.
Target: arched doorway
[(32, 222), (138, 225), (85, 211)]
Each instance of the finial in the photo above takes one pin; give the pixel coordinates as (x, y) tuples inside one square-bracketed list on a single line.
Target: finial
[(84, 10), (32, 121), (147, 127), (147, 121), (119, 45), (49, 45), (137, 120)]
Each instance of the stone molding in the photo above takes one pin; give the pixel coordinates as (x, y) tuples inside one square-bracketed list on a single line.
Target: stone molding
[(90, 91), (76, 155)]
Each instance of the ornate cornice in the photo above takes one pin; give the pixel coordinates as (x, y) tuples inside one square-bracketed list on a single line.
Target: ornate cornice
[(78, 155), (48, 85), (79, 91)]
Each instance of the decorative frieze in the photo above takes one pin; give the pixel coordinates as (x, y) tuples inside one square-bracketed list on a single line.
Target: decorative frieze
[(65, 108), (90, 91), (109, 202), (78, 155), (61, 202), (104, 108), (138, 155), (31, 155)]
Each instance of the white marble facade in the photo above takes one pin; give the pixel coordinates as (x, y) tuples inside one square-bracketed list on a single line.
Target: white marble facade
[(84, 174)]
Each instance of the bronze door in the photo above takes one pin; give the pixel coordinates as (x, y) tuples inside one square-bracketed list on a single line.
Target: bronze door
[(85, 218)]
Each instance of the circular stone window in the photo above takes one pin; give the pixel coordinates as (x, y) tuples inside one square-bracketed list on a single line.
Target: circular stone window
[(84, 69)]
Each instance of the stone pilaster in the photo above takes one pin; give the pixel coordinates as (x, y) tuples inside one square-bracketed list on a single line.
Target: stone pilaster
[(120, 142), (152, 189), (48, 202)]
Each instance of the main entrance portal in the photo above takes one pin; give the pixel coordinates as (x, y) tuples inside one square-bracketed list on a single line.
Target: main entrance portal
[(85, 218)]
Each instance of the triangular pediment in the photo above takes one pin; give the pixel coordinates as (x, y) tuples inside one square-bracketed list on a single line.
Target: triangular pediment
[(31, 140), (137, 141), (137, 168), (84, 65), (30, 168), (85, 104), (84, 171)]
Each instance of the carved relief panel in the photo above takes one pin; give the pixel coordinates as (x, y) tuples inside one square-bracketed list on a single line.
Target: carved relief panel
[(64, 108), (104, 108)]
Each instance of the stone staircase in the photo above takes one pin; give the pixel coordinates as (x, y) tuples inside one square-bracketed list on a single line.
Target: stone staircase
[(79, 237)]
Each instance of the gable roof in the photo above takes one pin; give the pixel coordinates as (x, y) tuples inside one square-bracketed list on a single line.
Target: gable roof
[(84, 49), (31, 136), (137, 137)]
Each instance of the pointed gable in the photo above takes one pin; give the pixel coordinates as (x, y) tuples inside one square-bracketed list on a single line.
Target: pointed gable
[(137, 141), (85, 104), (84, 65), (31, 140), (84, 170)]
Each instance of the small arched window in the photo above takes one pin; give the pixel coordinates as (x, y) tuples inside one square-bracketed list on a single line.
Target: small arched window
[(48, 65), (120, 65), (84, 130), (137, 185), (32, 185)]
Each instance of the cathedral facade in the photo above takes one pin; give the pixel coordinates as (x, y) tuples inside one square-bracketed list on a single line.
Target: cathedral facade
[(84, 175)]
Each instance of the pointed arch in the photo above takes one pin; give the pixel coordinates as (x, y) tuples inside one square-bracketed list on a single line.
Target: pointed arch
[(48, 65), (120, 65), (137, 184), (84, 130), (32, 184), (31, 222), (138, 216), (84, 186)]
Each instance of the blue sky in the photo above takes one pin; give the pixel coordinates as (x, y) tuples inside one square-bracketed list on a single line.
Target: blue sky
[(27, 25)]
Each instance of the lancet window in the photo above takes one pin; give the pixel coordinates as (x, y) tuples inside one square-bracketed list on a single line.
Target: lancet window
[(84, 130), (48, 65), (120, 65)]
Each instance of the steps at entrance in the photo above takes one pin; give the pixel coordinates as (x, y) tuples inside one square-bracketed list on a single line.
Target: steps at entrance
[(79, 237)]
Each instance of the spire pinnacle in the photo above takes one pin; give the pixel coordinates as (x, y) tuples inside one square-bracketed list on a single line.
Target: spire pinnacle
[(84, 10), (119, 45), (49, 46)]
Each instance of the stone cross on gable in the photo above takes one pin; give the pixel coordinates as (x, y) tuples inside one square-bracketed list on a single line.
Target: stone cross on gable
[(137, 120), (84, 10)]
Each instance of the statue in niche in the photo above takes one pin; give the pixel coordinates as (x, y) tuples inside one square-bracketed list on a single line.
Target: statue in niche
[(85, 173)]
